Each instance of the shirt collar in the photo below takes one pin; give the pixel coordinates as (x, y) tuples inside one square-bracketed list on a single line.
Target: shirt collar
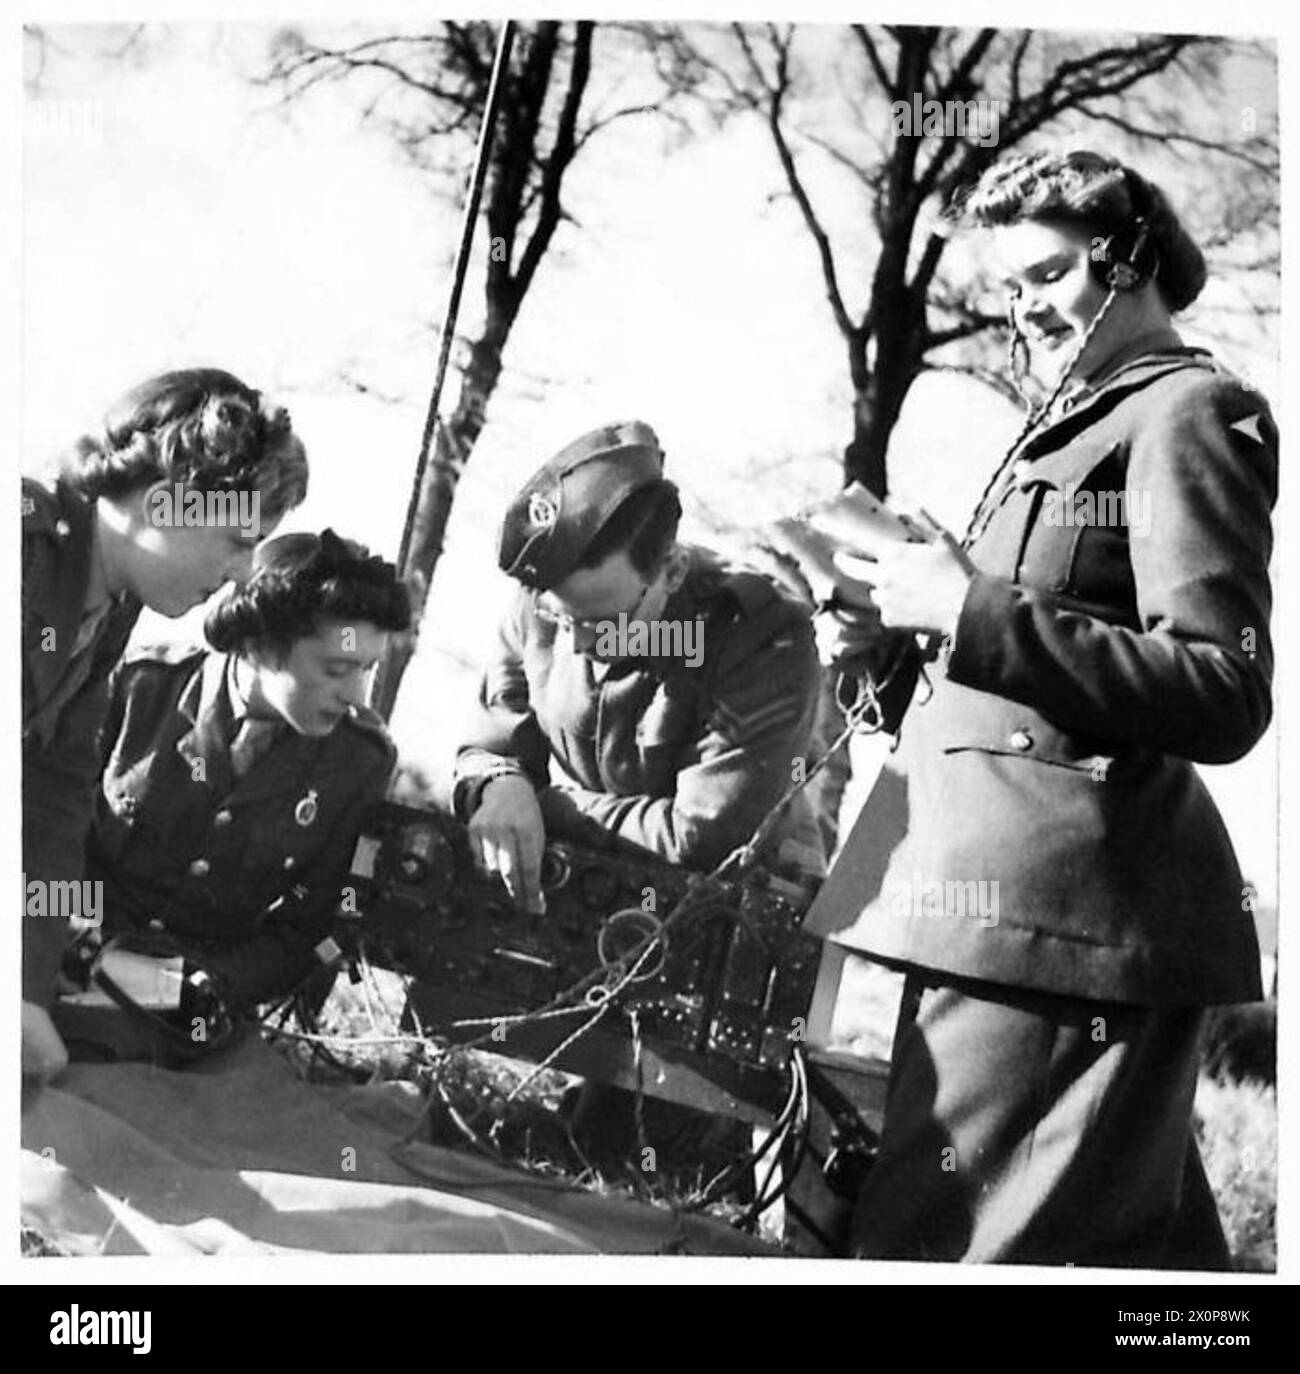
[(1161, 340), (1110, 369), (235, 697), (238, 698)]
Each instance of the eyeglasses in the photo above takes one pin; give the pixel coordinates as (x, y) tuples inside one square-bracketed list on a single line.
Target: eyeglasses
[(562, 621)]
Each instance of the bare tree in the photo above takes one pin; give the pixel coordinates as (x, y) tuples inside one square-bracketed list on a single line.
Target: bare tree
[(911, 320), (847, 113), (429, 91)]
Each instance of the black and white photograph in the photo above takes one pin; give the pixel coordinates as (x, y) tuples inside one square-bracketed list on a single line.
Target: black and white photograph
[(649, 639)]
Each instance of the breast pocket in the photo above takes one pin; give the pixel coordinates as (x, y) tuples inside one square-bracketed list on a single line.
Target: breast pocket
[(665, 729), (1077, 538), (1101, 569)]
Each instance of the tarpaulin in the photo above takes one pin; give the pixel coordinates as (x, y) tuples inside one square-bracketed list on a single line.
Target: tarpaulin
[(240, 1156)]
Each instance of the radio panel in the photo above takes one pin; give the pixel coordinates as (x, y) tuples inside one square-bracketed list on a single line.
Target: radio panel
[(726, 989)]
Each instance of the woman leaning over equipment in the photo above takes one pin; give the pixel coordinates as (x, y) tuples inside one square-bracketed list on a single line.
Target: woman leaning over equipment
[(108, 538), (1104, 626), (235, 779)]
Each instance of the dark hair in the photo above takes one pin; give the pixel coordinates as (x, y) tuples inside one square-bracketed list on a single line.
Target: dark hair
[(202, 427), (644, 527), (1094, 193), (297, 581)]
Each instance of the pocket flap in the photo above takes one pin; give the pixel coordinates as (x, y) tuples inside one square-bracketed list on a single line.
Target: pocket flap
[(1071, 466), (967, 719)]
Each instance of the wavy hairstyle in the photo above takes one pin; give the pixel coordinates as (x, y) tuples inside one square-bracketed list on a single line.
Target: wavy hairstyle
[(1092, 192), (201, 427), (299, 580)]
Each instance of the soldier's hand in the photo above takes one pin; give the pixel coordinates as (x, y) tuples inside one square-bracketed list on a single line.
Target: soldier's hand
[(846, 635), (507, 837), (44, 1054), (918, 586)]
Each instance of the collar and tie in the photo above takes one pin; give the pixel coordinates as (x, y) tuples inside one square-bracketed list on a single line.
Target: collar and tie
[(253, 738), (253, 735)]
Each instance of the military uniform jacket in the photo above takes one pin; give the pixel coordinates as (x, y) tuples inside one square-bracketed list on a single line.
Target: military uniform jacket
[(1090, 666), (178, 840), (683, 761), (65, 696)]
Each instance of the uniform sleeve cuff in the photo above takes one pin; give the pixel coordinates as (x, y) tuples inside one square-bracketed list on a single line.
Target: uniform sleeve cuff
[(467, 794), (971, 649)]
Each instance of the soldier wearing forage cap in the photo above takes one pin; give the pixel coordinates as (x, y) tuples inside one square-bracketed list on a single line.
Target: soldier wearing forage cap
[(677, 742)]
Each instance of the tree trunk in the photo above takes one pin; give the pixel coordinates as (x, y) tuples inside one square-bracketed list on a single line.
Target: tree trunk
[(883, 374), (453, 444), (864, 458), (881, 387), (516, 154)]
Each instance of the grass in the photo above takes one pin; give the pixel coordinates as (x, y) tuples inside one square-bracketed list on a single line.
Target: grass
[(35, 1245), (1236, 1129)]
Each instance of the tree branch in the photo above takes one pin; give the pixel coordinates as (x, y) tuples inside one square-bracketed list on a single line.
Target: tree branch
[(775, 97), (562, 153), (1190, 140), (975, 323), (959, 83), (601, 122), (334, 64), (873, 57), (1017, 63)]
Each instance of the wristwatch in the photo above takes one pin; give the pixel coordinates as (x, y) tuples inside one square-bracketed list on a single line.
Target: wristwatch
[(467, 794)]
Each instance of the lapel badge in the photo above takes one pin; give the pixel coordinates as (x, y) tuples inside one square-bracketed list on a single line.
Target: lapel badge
[(305, 812)]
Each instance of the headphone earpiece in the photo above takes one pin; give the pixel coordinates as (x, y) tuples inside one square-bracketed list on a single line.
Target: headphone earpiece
[(1121, 262)]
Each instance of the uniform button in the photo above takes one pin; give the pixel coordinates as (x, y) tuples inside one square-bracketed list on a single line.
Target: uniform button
[(200, 868), (1022, 740), (62, 529), (290, 862), (223, 817)]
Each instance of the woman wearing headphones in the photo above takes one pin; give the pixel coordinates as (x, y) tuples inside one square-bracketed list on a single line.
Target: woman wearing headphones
[(1066, 900), (139, 516), (235, 779)]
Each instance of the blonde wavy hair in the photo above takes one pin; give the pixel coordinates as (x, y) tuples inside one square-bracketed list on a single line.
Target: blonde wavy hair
[(201, 427)]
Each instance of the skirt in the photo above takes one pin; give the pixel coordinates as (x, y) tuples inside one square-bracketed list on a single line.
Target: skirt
[(1030, 1128)]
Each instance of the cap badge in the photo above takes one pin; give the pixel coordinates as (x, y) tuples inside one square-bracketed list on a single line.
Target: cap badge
[(541, 511)]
